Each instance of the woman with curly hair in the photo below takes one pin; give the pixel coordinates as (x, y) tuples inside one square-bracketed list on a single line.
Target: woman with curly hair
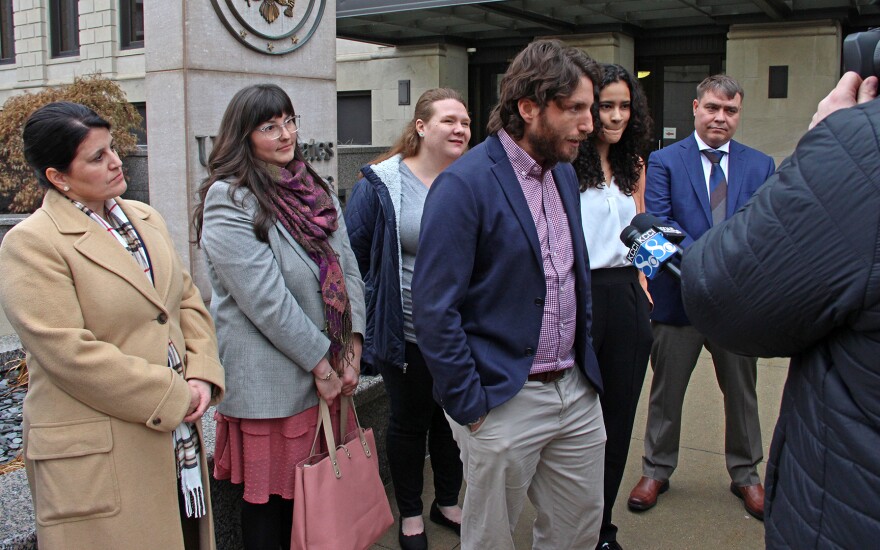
[(611, 171)]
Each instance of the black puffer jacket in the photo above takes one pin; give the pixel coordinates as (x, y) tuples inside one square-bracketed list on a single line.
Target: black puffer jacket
[(797, 273)]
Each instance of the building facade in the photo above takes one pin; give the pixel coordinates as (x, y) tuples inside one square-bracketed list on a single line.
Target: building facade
[(786, 54), (49, 42), (401, 50)]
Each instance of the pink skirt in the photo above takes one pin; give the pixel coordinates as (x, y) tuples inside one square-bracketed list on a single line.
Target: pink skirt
[(263, 453)]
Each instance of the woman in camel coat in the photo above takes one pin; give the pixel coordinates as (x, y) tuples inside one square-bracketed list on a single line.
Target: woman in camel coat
[(103, 409)]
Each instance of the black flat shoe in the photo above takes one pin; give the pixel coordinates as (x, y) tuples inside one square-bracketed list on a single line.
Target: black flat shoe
[(411, 542), (437, 517)]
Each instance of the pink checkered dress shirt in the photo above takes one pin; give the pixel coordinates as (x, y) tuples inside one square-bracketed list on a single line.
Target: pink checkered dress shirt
[(555, 344)]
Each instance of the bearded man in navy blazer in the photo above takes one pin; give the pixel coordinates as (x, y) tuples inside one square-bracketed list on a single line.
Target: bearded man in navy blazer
[(501, 299), (694, 184)]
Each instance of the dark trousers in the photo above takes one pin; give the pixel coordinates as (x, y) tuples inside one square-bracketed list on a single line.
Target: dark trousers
[(415, 417), (267, 526), (622, 341), (673, 358), (189, 526)]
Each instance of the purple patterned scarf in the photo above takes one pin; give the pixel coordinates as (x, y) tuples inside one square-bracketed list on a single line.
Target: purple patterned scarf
[(306, 210)]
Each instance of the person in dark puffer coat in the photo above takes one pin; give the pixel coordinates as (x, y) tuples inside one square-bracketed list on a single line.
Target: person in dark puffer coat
[(385, 212), (797, 272)]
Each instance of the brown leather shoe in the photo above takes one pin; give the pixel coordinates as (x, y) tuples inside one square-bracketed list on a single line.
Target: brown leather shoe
[(752, 497), (644, 494)]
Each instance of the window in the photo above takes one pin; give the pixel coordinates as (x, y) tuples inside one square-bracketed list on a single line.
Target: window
[(7, 38), (64, 27), (131, 23), (354, 118), (141, 132)]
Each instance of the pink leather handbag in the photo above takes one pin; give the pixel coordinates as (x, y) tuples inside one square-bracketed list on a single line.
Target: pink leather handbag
[(339, 501)]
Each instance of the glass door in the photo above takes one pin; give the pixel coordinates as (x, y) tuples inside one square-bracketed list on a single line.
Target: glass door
[(679, 90), (484, 85)]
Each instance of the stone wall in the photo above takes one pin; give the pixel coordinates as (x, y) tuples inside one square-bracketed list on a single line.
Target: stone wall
[(606, 47), (811, 50), (137, 175), (351, 159), (31, 43)]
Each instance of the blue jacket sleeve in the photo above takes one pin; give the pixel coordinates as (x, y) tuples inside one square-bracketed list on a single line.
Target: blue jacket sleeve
[(448, 245), (361, 212)]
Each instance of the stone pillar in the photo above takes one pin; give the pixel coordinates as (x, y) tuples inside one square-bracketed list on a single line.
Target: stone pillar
[(98, 37), (606, 47), (195, 64), (810, 50), (31, 19)]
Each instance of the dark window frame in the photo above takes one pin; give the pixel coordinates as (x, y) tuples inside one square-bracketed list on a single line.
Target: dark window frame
[(64, 31), (368, 126), (7, 33), (128, 28), (141, 133)]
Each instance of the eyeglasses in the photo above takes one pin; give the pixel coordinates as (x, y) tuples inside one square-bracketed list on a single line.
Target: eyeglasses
[(273, 131)]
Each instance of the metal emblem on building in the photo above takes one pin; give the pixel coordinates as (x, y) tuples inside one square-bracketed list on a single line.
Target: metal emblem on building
[(271, 27)]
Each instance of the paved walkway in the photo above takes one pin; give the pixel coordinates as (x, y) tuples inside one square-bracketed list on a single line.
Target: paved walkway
[(698, 511)]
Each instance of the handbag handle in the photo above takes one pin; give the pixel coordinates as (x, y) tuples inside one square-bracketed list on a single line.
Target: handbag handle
[(324, 422), (348, 401)]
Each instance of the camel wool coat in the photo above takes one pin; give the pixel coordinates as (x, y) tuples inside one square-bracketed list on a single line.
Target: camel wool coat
[(102, 402)]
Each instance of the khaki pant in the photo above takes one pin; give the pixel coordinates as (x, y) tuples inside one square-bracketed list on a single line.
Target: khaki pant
[(547, 442)]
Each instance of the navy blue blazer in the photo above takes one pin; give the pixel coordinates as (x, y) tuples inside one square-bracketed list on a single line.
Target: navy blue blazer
[(675, 190), (478, 287)]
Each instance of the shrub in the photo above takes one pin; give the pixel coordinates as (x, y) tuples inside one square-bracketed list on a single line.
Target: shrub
[(18, 185)]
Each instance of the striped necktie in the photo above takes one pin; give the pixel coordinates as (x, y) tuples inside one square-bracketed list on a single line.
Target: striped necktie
[(717, 186)]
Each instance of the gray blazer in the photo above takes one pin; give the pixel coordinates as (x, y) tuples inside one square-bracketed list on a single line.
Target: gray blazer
[(267, 306)]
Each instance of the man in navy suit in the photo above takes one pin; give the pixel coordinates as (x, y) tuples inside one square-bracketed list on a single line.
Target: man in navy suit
[(501, 298), (695, 184)]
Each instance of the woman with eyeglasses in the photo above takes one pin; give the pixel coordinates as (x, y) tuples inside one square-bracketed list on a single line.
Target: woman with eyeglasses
[(287, 299)]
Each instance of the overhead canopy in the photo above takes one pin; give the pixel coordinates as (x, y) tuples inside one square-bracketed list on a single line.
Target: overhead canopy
[(351, 8), (467, 22)]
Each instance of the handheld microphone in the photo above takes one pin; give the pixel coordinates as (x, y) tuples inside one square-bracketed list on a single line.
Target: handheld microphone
[(650, 251), (644, 221)]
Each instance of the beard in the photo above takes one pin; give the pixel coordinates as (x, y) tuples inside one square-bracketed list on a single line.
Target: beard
[(550, 145)]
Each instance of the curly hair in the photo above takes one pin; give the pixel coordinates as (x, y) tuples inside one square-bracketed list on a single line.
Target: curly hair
[(626, 156), (545, 71)]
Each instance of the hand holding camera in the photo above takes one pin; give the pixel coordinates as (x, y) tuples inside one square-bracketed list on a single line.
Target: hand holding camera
[(861, 63)]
